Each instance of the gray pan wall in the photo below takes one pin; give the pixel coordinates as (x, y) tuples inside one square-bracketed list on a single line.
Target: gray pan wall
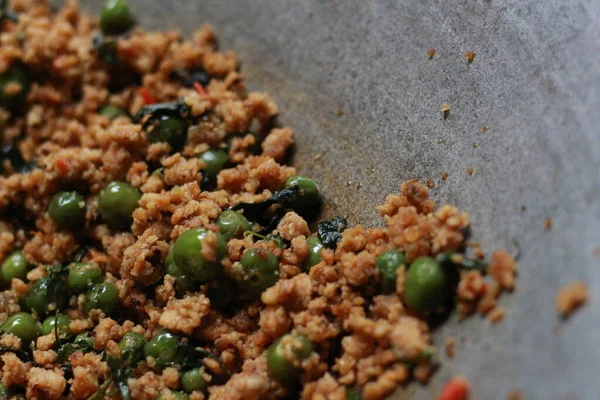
[(535, 83)]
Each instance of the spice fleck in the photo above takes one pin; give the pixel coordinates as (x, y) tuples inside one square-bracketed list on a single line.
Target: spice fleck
[(430, 53), (470, 56)]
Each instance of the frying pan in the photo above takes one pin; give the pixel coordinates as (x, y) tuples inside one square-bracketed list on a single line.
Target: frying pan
[(534, 83)]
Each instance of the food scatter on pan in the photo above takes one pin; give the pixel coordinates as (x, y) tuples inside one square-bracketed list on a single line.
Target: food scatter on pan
[(154, 245)]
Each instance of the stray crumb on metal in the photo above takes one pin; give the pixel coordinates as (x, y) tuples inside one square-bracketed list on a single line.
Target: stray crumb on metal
[(548, 224), (430, 183), (470, 170), (349, 183), (597, 252), (470, 56), (430, 53), (515, 395), (474, 145), (445, 110), (358, 186), (444, 176), (484, 129), (380, 123), (340, 113), (439, 141), (318, 156), (450, 342)]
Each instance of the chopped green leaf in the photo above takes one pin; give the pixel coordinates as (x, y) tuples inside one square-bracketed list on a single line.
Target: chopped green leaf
[(179, 108), (462, 262), (106, 48), (255, 211)]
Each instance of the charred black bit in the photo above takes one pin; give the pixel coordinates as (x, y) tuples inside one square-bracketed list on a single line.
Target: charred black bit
[(106, 48), (193, 357), (23, 355), (255, 211), (206, 183), (7, 15), (187, 78), (461, 262), (80, 253), (178, 109), (330, 232), (12, 153)]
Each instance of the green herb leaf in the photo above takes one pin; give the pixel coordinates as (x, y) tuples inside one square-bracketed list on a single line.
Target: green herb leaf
[(193, 356), (460, 261), (330, 232), (12, 153), (65, 351), (179, 108), (21, 354), (254, 211), (100, 394)]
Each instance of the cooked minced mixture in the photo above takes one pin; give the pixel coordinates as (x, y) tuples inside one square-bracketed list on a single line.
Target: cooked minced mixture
[(153, 245)]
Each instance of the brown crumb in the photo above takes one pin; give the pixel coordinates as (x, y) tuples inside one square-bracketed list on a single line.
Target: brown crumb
[(318, 157), (357, 186), (496, 315), (484, 129), (445, 110), (430, 183), (470, 170), (515, 395), (450, 342), (444, 176), (474, 145), (570, 297), (430, 53), (340, 113), (470, 56), (548, 224)]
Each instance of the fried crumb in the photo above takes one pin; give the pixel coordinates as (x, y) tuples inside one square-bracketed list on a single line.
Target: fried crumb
[(430, 53), (444, 176), (571, 297), (430, 183), (484, 129), (445, 108), (548, 224), (340, 113), (470, 56), (515, 395), (470, 170), (496, 315), (450, 343), (474, 145)]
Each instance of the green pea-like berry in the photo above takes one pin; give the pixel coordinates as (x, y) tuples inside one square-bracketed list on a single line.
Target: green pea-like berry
[(170, 129), (259, 271), (68, 209), (285, 355), (172, 396), (163, 348), (117, 201), (387, 264), (193, 380), (9, 97), (315, 247), (15, 266), (183, 282), (215, 160), (425, 285), (116, 17), (232, 224), (132, 343), (22, 325), (309, 194), (189, 257), (83, 276), (353, 394), (60, 321), (102, 296), (3, 391), (112, 112), (43, 293)]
